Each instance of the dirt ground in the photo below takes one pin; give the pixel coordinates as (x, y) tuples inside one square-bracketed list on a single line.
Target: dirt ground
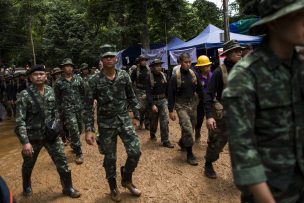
[(163, 174)]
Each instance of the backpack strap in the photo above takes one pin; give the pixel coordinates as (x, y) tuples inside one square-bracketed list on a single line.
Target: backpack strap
[(194, 79), (179, 77), (224, 74), (152, 80), (36, 102)]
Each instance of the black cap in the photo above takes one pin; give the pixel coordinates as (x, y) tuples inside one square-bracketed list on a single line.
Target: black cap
[(38, 67)]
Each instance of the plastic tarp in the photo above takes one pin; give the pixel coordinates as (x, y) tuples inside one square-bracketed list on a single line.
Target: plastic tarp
[(210, 38), (160, 53), (174, 42), (175, 54), (242, 26)]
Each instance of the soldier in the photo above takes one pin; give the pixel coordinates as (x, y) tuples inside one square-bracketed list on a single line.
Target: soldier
[(134, 67), (30, 129), (114, 93), (139, 79), (214, 108), (85, 71), (70, 97), (264, 103), (157, 89), (56, 74), (183, 85), (203, 71)]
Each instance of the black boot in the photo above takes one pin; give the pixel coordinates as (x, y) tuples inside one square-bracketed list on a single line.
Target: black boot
[(115, 194), (191, 159), (209, 171), (126, 182), (66, 182), (27, 188)]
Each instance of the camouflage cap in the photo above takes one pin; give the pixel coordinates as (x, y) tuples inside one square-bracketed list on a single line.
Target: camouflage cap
[(271, 10), (84, 66), (67, 61), (109, 53), (156, 62), (56, 70), (230, 45)]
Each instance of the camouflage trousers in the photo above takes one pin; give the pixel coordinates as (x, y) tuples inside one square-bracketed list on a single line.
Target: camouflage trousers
[(186, 112), (73, 123), (217, 140), (294, 193), (55, 150), (144, 110), (108, 147), (162, 116)]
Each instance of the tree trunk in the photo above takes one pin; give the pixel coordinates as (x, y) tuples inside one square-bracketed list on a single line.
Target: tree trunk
[(145, 31), (32, 43)]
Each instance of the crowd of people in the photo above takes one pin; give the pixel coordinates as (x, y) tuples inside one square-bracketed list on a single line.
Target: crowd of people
[(253, 101)]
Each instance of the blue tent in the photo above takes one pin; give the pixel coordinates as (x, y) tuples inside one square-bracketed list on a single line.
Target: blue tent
[(175, 41), (210, 38)]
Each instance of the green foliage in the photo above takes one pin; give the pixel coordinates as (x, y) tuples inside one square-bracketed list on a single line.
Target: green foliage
[(77, 28)]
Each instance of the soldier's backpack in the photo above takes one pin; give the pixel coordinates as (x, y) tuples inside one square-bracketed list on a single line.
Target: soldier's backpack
[(152, 80), (138, 73), (179, 77), (224, 74), (217, 106)]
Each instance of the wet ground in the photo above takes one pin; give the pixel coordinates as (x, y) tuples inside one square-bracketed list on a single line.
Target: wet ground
[(163, 174)]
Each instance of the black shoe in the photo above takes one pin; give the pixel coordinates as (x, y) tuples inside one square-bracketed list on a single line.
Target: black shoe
[(181, 145), (27, 187), (168, 144), (153, 138), (66, 182), (126, 182), (209, 171), (191, 159), (147, 126)]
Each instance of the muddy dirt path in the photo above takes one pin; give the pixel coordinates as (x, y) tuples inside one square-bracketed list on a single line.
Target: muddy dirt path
[(163, 174)]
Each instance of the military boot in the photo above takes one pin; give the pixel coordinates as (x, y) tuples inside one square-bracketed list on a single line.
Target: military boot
[(26, 182), (191, 159), (126, 182), (209, 171), (115, 194), (79, 156), (66, 182), (197, 135)]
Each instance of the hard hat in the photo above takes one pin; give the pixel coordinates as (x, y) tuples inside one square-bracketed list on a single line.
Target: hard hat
[(203, 60)]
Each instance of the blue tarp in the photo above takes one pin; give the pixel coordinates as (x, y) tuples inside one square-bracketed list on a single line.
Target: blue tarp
[(210, 38)]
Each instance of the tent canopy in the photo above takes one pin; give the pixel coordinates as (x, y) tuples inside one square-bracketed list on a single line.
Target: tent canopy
[(210, 38), (174, 42)]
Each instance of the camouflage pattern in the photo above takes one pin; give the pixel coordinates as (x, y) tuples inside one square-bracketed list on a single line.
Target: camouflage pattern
[(264, 109), (30, 128), (113, 99), (144, 111), (70, 97), (217, 140), (186, 114), (162, 116)]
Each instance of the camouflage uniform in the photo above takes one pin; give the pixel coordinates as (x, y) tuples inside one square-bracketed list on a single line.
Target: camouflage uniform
[(30, 128), (139, 79), (70, 98), (264, 109), (113, 99)]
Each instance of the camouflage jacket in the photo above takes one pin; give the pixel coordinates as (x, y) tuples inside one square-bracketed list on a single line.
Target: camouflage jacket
[(70, 95), (29, 123), (264, 114), (113, 99)]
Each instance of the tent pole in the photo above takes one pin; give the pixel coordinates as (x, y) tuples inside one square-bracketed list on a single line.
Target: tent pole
[(226, 21)]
